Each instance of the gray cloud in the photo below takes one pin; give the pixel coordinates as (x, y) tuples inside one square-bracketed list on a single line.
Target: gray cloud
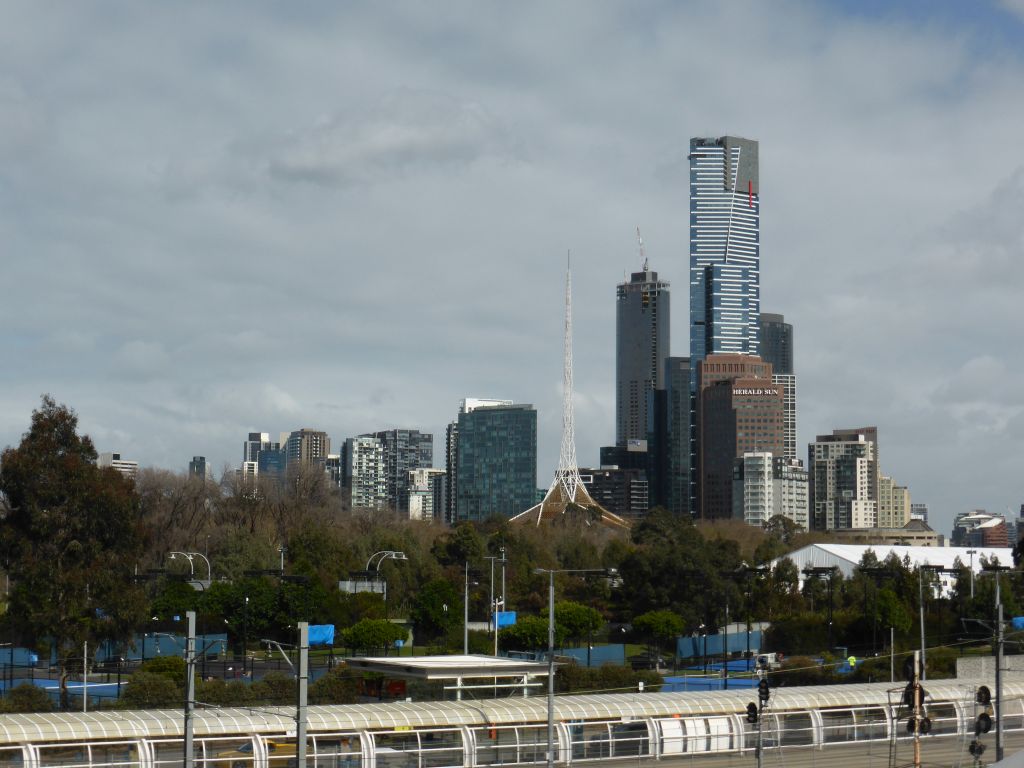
[(227, 218)]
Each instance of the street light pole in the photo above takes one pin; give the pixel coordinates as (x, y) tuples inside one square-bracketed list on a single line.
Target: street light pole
[(465, 614), (551, 669), (972, 552)]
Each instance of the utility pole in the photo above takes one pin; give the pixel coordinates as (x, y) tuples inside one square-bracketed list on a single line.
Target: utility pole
[(303, 687), (999, 671), (465, 614), (917, 709), (190, 688), (551, 670)]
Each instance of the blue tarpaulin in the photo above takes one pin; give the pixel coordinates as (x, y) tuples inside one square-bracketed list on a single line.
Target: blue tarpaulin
[(1018, 622), (504, 619), (321, 634)]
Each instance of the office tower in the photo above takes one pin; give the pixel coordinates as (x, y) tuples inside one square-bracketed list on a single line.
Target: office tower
[(677, 438), (776, 342), (364, 476), (451, 453), (623, 492), (496, 461), (740, 411), (126, 467), (272, 460), (776, 347), (790, 487), (199, 467), (404, 450), (439, 494), (641, 345), (306, 447), (843, 471), (421, 492), (725, 297)]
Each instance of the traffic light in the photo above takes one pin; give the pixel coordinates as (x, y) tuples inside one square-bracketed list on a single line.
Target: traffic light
[(762, 689), (751, 712), (984, 696), (976, 748), (983, 724)]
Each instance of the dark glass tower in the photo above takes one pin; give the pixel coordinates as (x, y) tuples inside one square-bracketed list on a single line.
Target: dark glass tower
[(497, 461), (641, 345), (776, 342)]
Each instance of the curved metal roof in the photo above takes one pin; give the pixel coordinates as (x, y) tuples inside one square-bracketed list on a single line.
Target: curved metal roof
[(111, 725)]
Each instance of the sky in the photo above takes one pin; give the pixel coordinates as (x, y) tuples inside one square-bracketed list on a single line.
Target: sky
[(261, 216)]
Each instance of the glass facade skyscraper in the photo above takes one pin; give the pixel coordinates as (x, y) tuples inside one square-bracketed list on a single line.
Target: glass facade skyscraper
[(776, 342), (497, 461), (725, 259), (641, 346)]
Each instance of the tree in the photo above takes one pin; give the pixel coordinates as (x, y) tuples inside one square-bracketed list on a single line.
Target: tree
[(69, 539), (373, 634), (576, 620), (437, 609), (529, 633), (661, 627)]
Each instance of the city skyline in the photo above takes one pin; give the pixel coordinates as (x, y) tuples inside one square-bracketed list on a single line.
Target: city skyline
[(244, 218)]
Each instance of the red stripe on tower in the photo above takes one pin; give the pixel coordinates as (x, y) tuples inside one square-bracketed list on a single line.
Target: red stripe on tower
[(750, 191)]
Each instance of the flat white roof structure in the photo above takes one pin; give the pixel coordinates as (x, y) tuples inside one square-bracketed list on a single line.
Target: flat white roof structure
[(457, 668), (847, 557)]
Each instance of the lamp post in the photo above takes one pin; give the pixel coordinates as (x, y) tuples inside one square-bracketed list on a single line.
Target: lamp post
[(996, 569), (192, 566), (922, 568), (551, 649), (375, 560), (492, 620), (828, 571), (972, 553)]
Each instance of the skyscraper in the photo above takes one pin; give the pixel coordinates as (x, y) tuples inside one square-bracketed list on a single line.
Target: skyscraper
[(363, 461), (451, 454), (725, 222), (725, 276), (497, 461), (404, 450), (776, 344), (307, 446), (641, 346)]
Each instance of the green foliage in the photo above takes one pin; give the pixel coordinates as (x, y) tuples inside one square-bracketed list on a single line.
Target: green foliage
[(70, 537), (275, 688), (802, 670), (169, 667), (573, 678), (373, 635), (660, 627), (26, 697), (233, 693), (529, 633), (150, 690), (437, 609), (339, 686), (577, 621)]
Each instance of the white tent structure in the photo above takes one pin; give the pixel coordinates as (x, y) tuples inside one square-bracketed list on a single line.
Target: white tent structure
[(846, 557)]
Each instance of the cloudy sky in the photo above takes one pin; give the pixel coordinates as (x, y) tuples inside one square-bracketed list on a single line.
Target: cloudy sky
[(217, 218)]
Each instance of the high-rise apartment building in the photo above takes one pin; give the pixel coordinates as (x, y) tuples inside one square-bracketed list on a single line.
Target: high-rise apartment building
[(765, 486), (843, 470), (404, 451), (451, 454), (725, 222), (364, 476), (306, 447), (893, 503), (725, 282), (126, 467), (496, 461), (641, 346), (421, 484), (621, 491)]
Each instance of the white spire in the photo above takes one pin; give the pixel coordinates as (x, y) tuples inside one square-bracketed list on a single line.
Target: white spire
[(568, 473)]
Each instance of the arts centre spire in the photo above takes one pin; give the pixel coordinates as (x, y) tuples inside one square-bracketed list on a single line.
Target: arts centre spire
[(567, 494)]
